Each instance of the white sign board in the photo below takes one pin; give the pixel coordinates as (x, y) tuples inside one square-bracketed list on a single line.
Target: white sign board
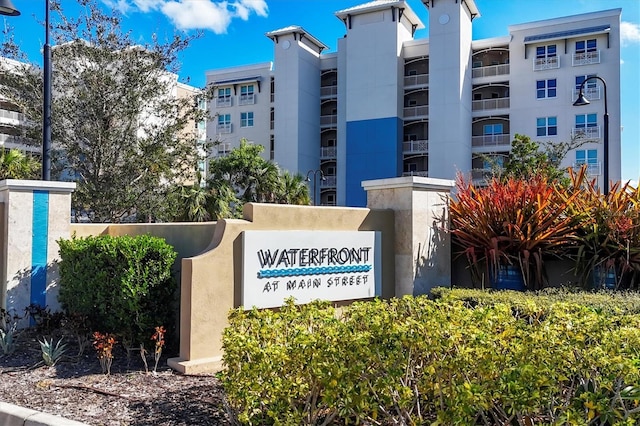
[(309, 265)]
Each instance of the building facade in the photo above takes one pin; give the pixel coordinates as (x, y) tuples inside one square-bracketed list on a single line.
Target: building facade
[(387, 104)]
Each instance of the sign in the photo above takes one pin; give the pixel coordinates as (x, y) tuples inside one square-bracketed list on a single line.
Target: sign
[(309, 265)]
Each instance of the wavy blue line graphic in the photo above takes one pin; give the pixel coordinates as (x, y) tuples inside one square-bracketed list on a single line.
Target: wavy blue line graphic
[(321, 270)]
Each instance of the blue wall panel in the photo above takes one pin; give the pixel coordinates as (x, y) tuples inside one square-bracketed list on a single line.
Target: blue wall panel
[(39, 240), (374, 151)]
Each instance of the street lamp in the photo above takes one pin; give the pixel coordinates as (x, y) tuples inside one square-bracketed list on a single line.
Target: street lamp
[(7, 8), (315, 174), (581, 101)]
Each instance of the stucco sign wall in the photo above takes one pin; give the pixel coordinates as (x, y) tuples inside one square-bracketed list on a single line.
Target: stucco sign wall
[(309, 265)]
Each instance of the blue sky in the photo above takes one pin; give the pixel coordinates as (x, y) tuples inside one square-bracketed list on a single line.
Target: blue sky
[(234, 34)]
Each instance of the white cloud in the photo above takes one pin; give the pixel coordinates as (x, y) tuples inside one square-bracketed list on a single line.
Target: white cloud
[(214, 15), (629, 33)]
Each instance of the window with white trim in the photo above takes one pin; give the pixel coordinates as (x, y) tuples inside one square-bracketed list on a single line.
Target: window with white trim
[(246, 119), (224, 93), (548, 51), (547, 126), (591, 84), (586, 120), (583, 46), (224, 119), (546, 88), (588, 157), (246, 89), (492, 129)]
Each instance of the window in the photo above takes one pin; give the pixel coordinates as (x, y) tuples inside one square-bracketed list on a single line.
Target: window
[(546, 88), (477, 96), (410, 167), (547, 126), (246, 89), (331, 199), (246, 119), (477, 64), (586, 156), (331, 171), (495, 161), (224, 119), (583, 46), (591, 84), (586, 120), (492, 129), (546, 51), (224, 93)]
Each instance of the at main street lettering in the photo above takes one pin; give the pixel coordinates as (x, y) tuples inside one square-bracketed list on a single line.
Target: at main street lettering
[(313, 256)]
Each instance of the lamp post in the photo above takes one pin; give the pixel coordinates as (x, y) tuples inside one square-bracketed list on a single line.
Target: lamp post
[(7, 8), (315, 174), (581, 101)]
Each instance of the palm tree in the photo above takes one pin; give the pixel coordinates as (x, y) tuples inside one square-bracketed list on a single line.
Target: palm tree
[(293, 189), (14, 164)]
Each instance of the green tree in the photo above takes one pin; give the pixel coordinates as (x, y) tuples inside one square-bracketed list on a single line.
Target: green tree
[(118, 128), (15, 164)]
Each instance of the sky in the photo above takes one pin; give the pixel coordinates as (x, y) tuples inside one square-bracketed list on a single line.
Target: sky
[(233, 34)]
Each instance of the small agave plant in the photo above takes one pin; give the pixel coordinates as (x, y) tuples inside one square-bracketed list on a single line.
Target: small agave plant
[(51, 354)]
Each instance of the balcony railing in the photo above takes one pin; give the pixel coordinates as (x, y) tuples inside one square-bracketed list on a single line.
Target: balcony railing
[(415, 111), (11, 115), (328, 182), (586, 132), (415, 147), (223, 149), (423, 173), (247, 99), (416, 80), (490, 71), (224, 102), (327, 152), (593, 169), (485, 104), (329, 91), (223, 128), (591, 93), (326, 120), (541, 64), (585, 58), (491, 140)]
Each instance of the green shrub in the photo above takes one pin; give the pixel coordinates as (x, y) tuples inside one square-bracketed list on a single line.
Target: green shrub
[(416, 361), (122, 285)]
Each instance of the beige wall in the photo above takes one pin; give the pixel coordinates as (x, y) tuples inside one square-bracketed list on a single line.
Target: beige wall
[(211, 282)]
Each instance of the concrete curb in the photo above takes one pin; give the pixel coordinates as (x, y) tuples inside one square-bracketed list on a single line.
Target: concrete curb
[(13, 415)]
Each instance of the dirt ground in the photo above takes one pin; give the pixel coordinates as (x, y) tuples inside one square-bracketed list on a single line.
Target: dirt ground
[(75, 388)]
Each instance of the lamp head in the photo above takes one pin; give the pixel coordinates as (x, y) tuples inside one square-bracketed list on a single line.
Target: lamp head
[(581, 101), (7, 8)]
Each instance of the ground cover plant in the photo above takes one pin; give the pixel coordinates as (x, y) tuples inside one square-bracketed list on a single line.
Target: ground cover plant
[(444, 362)]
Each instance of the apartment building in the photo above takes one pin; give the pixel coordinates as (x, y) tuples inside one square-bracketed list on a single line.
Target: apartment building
[(387, 104), (12, 119)]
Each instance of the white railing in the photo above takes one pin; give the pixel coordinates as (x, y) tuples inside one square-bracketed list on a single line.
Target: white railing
[(329, 91), (586, 132), (541, 64), (415, 146), (415, 111), (591, 93), (328, 182), (491, 140), (328, 120), (593, 169), (490, 71), (11, 115), (223, 149), (247, 99), (495, 103), (422, 173), (328, 152), (416, 80), (223, 128), (224, 102), (585, 58)]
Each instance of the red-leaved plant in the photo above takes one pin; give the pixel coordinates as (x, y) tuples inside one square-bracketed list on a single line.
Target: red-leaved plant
[(103, 344)]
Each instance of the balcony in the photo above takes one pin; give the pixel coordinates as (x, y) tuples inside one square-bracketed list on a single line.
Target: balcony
[(550, 63), (223, 149), (586, 132), (328, 91), (416, 111), (416, 80), (223, 128), (486, 104), (421, 173), (11, 115), (247, 99), (328, 152), (490, 71), (329, 120), (591, 93), (593, 169), (415, 147), (491, 140), (328, 182), (585, 58), (224, 102)]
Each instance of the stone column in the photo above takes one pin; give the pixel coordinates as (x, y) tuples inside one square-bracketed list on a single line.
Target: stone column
[(33, 216), (422, 247)]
